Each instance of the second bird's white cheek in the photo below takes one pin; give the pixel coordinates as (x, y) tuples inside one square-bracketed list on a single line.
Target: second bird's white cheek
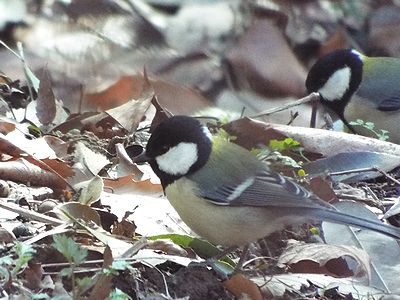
[(178, 160), (337, 85)]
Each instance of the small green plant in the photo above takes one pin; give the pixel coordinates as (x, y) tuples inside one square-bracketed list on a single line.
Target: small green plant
[(275, 149), (116, 266), (381, 134), (290, 145), (11, 266), (24, 254), (75, 255), (117, 294), (283, 145)]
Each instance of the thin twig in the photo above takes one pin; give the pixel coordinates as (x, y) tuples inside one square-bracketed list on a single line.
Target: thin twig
[(11, 50), (371, 192), (309, 98), (359, 199), (361, 170), (293, 116), (30, 214), (394, 180)]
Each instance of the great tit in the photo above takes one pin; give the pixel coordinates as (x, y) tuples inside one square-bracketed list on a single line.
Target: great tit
[(356, 86), (225, 194)]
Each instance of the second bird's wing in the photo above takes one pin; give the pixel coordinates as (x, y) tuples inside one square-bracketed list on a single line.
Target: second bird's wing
[(380, 83)]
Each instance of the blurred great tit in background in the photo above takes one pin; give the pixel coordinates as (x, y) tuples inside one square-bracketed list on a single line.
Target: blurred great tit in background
[(225, 194), (355, 86)]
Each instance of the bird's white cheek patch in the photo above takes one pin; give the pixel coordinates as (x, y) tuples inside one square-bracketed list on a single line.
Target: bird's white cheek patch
[(336, 85), (178, 159)]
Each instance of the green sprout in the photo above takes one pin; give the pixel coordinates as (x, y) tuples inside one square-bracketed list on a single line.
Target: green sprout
[(381, 134)]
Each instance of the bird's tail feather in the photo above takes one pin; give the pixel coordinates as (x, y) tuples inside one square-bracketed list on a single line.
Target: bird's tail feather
[(343, 218)]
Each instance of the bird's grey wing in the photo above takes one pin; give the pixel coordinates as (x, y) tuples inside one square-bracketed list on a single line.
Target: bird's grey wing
[(387, 99), (247, 182), (265, 188), (271, 189), (233, 176), (390, 104), (382, 91)]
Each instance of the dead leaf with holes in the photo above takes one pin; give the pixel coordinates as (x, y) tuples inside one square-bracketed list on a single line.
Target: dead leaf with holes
[(333, 260)]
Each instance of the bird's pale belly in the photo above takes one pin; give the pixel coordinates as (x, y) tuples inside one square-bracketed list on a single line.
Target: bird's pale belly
[(386, 120), (225, 225)]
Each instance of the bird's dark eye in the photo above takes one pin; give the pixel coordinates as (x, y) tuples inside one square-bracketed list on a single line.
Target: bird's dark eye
[(165, 148)]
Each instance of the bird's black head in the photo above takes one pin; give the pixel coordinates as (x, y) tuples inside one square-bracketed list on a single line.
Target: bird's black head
[(336, 77), (178, 146)]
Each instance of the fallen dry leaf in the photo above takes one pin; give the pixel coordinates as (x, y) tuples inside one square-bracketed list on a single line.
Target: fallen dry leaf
[(151, 215), (6, 126), (89, 191), (45, 102), (33, 276), (131, 113), (383, 251), (59, 147), (340, 39), (175, 98), (331, 260), (22, 170), (372, 164), (251, 132), (6, 236), (243, 288), (276, 285), (103, 285), (125, 165), (323, 189), (384, 24), (72, 211), (127, 185), (89, 161), (124, 228), (263, 59), (167, 246)]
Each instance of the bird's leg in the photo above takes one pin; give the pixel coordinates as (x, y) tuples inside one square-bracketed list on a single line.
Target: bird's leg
[(222, 268), (314, 109), (350, 127), (224, 253), (242, 258), (211, 262), (241, 261)]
